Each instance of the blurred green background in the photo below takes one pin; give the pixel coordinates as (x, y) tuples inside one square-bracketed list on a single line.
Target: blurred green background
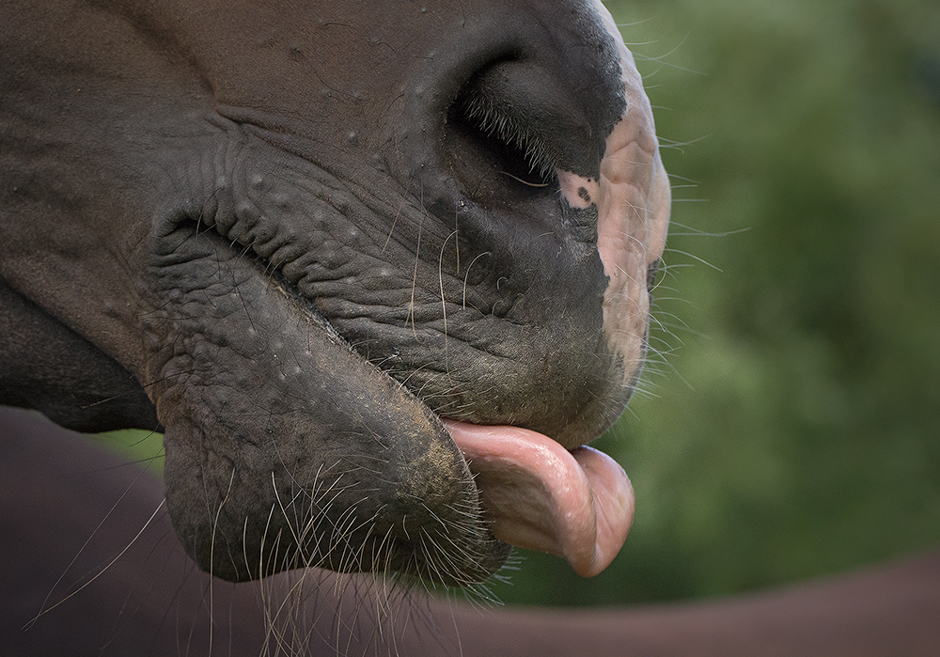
[(789, 425)]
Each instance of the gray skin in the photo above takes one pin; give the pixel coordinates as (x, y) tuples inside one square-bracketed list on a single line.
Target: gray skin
[(276, 233)]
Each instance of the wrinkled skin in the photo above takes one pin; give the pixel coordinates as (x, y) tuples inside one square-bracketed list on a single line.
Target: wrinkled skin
[(295, 236)]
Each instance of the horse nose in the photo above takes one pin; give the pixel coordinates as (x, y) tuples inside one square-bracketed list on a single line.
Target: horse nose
[(504, 110), (510, 100)]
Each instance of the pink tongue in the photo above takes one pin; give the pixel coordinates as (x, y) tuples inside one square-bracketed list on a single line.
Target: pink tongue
[(576, 504)]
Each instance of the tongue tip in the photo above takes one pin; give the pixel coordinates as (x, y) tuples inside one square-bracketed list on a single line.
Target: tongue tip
[(613, 502), (577, 504)]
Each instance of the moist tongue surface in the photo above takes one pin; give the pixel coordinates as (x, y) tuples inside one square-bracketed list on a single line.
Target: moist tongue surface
[(577, 504)]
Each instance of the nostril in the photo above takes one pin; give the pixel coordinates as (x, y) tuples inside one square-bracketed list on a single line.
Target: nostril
[(495, 134), (512, 125)]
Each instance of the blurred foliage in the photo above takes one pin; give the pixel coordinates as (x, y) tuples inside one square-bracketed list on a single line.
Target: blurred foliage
[(789, 425), (142, 447)]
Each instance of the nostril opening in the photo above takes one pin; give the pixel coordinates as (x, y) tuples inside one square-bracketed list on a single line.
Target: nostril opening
[(493, 136)]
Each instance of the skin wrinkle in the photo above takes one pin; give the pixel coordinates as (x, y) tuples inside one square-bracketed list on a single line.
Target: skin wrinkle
[(367, 313), (256, 216), (337, 178)]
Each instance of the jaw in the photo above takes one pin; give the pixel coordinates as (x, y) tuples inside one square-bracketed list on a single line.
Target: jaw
[(286, 449)]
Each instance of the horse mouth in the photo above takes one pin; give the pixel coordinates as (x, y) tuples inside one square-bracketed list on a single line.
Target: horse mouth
[(536, 494)]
